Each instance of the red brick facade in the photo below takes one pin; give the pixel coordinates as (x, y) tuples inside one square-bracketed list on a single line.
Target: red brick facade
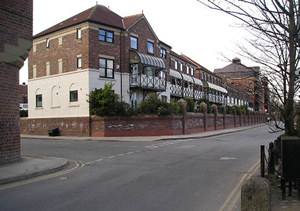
[(15, 42)]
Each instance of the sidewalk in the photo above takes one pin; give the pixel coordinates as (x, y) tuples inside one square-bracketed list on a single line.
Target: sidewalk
[(29, 167)]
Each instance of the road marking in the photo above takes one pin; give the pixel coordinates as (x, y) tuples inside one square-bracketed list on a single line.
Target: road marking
[(110, 157), (227, 158), (236, 191), (120, 155), (128, 153), (77, 166)]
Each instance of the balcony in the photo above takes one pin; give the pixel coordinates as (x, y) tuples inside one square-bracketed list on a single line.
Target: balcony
[(147, 82)]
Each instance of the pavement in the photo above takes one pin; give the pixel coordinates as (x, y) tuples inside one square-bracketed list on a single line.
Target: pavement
[(29, 167)]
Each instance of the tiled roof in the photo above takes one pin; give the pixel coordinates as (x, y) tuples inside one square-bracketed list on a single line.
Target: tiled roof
[(97, 14), (236, 67), (129, 20), (191, 61)]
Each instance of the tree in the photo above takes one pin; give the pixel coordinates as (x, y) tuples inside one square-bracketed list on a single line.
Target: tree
[(273, 42)]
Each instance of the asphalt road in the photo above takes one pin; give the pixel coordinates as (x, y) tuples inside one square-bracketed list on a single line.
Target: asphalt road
[(203, 174)]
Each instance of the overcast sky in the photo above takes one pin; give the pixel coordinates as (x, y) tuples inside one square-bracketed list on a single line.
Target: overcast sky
[(186, 25)]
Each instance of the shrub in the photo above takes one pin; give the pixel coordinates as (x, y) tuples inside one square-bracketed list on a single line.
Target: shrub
[(190, 105), (152, 105), (104, 102)]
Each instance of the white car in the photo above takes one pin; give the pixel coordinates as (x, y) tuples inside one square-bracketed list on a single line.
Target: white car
[(24, 106)]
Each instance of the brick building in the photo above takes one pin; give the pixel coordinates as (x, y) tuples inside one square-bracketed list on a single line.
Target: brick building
[(97, 46), (247, 79), (15, 43)]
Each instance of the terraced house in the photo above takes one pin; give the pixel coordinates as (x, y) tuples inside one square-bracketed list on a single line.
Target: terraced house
[(97, 46)]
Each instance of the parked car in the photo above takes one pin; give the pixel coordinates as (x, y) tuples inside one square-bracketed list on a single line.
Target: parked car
[(24, 106)]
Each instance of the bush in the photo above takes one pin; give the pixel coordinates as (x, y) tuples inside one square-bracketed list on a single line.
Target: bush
[(23, 113), (104, 102), (190, 105), (153, 106)]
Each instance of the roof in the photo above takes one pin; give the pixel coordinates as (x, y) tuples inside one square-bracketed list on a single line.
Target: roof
[(199, 67), (97, 14), (236, 67), (130, 20), (191, 61)]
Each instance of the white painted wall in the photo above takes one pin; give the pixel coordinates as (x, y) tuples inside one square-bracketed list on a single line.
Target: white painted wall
[(55, 90)]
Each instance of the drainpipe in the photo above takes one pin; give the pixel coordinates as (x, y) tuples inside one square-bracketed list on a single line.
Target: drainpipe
[(121, 74)]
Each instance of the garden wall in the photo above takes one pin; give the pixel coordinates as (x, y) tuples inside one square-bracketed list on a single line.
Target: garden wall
[(138, 126)]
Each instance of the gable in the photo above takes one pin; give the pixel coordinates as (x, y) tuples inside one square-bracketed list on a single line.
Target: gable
[(142, 26)]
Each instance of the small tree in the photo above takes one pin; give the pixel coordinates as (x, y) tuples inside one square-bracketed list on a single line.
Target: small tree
[(105, 102)]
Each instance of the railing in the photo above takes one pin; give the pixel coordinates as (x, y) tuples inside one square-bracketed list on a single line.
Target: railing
[(145, 81), (176, 90)]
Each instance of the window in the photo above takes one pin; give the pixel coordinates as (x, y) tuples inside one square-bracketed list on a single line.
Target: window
[(74, 96), (150, 47), (78, 34), (106, 36), (192, 71), (47, 43), (176, 65), (181, 67), (134, 42), (79, 62), (106, 68), (163, 53), (187, 70), (39, 100)]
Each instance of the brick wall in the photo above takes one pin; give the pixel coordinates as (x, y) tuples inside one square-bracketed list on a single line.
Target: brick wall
[(15, 43), (136, 126), (78, 126)]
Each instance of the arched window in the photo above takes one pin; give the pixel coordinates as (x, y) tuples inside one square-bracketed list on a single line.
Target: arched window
[(38, 98), (73, 96), (54, 96)]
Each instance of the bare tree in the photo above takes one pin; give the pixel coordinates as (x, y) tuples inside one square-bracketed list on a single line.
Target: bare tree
[(273, 28)]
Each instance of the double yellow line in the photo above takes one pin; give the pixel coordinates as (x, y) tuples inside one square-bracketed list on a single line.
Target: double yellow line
[(77, 165), (235, 195)]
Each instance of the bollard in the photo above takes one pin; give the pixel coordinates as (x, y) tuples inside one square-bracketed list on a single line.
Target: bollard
[(283, 188), (271, 164), (262, 160), (298, 187)]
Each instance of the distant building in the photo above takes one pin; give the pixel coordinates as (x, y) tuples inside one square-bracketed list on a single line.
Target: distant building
[(247, 79), (23, 93)]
